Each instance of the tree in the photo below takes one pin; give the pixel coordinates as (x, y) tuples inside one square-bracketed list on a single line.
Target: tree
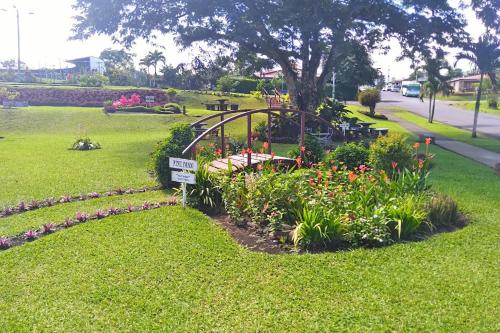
[(353, 68), (437, 82), (301, 36), (119, 66), (146, 63), (485, 55), (487, 11), (155, 58)]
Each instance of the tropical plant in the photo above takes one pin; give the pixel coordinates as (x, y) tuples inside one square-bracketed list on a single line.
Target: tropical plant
[(485, 55), (407, 215), (311, 152), (206, 194), (85, 144), (437, 81)]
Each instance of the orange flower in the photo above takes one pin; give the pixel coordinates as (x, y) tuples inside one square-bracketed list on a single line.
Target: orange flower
[(416, 145), (352, 177), (319, 174), (334, 169), (259, 167), (249, 150), (218, 152), (273, 155), (299, 161), (302, 149), (428, 141), (265, 145), (311, 182), (394, 165), (243, 152)]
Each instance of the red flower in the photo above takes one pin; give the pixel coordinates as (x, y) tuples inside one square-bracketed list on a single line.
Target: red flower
[(302, 149), (363, 168), (311, 182), (249, 150), (416, 145), (299, 161), (243, 152), (428, 141), (394, 165), (218, 152), (259, 167), (265, 145)]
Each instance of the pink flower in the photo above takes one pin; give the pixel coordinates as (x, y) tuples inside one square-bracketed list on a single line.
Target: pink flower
[(394, 165)]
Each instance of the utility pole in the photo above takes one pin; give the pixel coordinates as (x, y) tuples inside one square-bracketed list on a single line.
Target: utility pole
[(333, 85), (18, 42)]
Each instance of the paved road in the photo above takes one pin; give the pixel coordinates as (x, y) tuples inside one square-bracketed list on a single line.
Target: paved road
[(487, 123)]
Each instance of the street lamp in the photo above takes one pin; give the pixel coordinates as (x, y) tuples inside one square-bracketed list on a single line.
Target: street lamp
[(18, 35)]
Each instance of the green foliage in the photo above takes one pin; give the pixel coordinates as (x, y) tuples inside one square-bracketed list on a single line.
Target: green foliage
[(314, 152), (407, 214), (181, 135), (493, 101), (236, 84), (388, 149), (85, 144), (333, 112), (94, 80), (352, 155), (261, 130), (443, 211), (206, 194), (7, 94), (172, 107), (316, 228), (369, 98), (172, 93)]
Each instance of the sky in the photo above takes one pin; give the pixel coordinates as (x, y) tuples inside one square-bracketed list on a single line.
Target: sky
[(46, 26)]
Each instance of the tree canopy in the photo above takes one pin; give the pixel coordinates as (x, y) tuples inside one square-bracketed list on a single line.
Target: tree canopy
[(301, 36)]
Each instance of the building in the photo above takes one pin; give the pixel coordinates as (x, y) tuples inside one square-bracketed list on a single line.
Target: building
[(87, 65), (466, 84)]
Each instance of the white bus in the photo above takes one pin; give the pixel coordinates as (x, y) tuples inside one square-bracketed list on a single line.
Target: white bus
[(410, 88)]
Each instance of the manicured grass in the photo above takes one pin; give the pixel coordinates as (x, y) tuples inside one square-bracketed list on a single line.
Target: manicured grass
[(175, 270), (451, 132), (471, 106)]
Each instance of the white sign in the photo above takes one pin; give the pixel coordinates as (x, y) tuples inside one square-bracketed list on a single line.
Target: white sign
[(183, 177), (150, 99), (345, 127), (182, 164)]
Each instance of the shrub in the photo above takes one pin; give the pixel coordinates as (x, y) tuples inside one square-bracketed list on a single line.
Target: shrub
[(261, 130), (407, 215), (390, 149), (352, 155), (180, 137), (443, 211), (4, 243), (369, 98), (313, 151), (493, 101), (85, 144), (171, 93), (94, 80), (333, 111), (172, 107)]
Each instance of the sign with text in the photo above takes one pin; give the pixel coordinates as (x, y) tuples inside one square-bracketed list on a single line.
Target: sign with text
[(183, 177), (182, 164)]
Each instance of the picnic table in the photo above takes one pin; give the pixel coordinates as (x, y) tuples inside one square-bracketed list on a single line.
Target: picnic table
[(200, 129), (221, 105)]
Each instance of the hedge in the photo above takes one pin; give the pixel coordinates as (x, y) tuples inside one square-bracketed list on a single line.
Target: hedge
[(82, 96)]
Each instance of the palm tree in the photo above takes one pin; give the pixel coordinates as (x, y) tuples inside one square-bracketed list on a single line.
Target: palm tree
[(485, 55), (155, 58), (146, 62), (436, 81)]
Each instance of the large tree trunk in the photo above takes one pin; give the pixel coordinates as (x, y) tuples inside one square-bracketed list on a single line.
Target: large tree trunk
[(478, 105)]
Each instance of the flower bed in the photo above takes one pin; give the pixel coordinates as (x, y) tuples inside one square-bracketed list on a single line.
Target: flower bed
[(82, 96), (329, 206)]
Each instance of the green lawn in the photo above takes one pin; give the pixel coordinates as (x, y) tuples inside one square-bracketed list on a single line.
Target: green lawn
[(471, 106), (175, 270), (449, 131)]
